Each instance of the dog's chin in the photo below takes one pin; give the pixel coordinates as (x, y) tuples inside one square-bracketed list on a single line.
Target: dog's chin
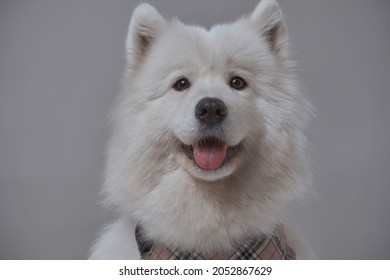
[(210, 159)]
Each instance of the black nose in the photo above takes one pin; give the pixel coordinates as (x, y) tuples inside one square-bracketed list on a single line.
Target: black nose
[(211, 111)]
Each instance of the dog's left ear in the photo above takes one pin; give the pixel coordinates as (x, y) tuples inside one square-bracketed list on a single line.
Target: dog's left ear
[(268, 20)]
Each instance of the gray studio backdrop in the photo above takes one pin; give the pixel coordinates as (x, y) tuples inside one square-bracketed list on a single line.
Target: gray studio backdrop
[(60, 68)]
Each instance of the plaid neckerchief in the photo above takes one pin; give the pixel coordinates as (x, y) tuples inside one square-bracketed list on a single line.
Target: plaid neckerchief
[(265, 248)]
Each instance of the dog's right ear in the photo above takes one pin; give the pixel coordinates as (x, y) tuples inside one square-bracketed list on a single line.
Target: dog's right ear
[(145, 25)]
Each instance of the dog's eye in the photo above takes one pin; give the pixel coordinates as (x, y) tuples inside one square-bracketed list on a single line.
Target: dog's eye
[(238, 83), (181, 84)]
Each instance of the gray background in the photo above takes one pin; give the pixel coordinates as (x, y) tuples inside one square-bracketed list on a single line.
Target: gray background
[(60, 68)]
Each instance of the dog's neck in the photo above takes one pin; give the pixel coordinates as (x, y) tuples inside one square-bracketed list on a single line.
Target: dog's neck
[(273, 247)]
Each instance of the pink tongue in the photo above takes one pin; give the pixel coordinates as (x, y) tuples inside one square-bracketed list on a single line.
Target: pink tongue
[(209, 156)]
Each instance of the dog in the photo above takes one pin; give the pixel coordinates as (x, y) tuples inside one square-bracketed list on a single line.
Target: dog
[(207, 148)]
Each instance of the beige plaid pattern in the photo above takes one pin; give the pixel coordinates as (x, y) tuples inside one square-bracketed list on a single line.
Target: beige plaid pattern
[(266, 248)]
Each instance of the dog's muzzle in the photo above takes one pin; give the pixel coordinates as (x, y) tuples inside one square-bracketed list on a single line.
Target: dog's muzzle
[(210, 152)]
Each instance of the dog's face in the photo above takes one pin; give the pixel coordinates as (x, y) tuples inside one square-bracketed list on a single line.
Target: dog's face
[(207, 89), (211, 96)]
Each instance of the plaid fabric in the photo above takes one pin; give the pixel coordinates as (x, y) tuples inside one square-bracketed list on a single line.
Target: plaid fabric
[(266, 248)]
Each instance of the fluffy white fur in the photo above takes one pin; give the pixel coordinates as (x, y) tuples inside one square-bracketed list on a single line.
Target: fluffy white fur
[(149, 180)]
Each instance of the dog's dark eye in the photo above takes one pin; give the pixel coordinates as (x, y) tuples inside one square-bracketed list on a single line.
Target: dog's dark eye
[(238, 83), (181, 84)]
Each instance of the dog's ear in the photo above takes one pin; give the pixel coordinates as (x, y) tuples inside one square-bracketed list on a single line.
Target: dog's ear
[(268, 20), (145, 26)]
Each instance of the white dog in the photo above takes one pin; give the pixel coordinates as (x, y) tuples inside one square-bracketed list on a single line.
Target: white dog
[(207, 147)]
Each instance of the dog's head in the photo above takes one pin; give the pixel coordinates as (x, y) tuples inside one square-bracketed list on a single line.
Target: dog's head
[(212, 94)]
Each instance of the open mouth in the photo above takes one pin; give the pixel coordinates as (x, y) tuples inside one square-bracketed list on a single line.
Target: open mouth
[(210, 153)]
